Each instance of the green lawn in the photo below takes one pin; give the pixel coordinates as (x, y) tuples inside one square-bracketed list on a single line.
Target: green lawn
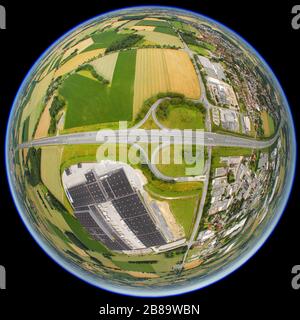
[(90, 102), (153, 23), (181, 26), (271, 125), (218, 152), (199, 50), (175, 169), (166, 30), (159, 188), (184, 117), (184, 212), (140, 267), (105, 39), (208, 46), (163, 264)]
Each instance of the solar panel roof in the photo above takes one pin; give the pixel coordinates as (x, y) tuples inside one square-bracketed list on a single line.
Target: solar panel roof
[(119, 183)]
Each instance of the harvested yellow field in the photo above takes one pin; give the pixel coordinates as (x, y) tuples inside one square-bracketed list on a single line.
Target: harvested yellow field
[(75, 62), (183, 77), (105, 66), (188, 18), (192, 264), (25, 152), (35, 105), (43, 126), (48, 214), (80, 47), (138, 274), (161, 38), (117, 24), (45, 72), (130, 24), (78, 250), (142, 28), (87, 74), (50, 171), (268, 124), (163, 70), (153, 19), (37, 95)]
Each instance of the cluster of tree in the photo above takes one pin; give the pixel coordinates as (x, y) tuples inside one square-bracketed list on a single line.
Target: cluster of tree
[(94, 73), (259, 127), (107, 255), (164, 108), (165, 46), (230, 176), (136, 17), (189, 38), (96, 261), (253, 165), (75, 240), (149, 102), (58, 104), (74, 256), (55, 203), (143, 262), (208, 94), (175, 252), (236, 206), (33, 166), (53, 87), (124, 43), (72, 55)]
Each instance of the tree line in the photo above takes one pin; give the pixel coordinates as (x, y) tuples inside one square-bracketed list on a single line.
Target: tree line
[(124, 43)]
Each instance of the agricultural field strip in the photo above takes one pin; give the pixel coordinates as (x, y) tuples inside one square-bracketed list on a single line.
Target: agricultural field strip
[(163, 70), (105, 66), (78, 90)]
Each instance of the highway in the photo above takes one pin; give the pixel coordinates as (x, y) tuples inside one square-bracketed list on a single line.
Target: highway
[(171, 136)]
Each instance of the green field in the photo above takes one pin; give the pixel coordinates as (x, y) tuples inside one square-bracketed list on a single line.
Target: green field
[(268, 124), (181, 26), (163, 263), (184, 117), (166, 30), (199, 50), (140, 267), (153, 23), (184, 212), (174, 169), (104, 39), (159, 188), (218, 152), (90, 102), (25, 130), (74, 154), (208, 46)]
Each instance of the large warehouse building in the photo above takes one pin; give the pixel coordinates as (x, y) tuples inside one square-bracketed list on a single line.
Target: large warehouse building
[(112, 210)]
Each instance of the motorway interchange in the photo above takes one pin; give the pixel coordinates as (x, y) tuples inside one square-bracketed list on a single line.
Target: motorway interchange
[(164, 137)]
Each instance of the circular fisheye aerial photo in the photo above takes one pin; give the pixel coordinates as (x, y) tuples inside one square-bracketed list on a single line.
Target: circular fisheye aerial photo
[(150, 151)]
